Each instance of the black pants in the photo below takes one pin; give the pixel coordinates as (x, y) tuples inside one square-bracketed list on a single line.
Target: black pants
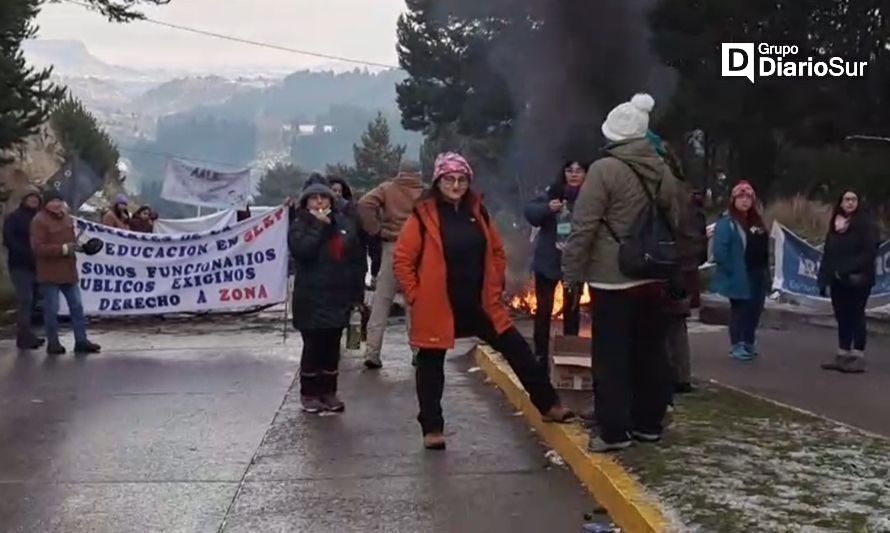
[(430, 377), (849, 311), (320, 361), (25, 283), (631, 372), (571, 324)]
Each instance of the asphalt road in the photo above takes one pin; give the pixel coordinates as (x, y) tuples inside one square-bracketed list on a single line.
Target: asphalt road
[(195, 427), (789, 371)]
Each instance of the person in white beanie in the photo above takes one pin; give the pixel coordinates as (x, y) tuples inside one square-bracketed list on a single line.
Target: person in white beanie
[(632, 376), (629, 120)]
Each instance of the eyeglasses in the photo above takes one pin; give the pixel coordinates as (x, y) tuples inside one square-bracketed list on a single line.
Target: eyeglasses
[(575, 170), (851, 199), (451, 181)]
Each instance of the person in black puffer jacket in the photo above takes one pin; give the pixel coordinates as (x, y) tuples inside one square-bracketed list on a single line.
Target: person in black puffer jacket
[(328, 248), (848, 269)]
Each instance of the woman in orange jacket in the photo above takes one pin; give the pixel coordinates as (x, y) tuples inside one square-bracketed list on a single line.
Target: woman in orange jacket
[(450, 263)]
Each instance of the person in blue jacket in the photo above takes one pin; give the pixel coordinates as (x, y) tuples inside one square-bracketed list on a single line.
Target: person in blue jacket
[(741, 251), (551, 212)]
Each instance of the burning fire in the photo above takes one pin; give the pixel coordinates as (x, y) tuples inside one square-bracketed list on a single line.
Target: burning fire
[(528, 303)]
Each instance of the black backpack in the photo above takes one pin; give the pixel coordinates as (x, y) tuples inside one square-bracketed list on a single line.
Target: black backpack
[(650, 249)]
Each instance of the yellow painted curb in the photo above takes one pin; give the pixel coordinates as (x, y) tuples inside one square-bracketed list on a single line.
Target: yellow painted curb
[(625, 500)]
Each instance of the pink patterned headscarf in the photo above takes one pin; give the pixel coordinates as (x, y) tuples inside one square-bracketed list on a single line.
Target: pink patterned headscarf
[(450, 162)]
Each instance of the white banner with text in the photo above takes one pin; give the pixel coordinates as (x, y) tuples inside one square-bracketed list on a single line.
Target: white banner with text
[(235, 268), (205, 187)]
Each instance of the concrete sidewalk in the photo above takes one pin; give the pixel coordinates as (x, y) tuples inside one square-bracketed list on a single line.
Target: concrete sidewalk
[(194, 426), (366, 470)]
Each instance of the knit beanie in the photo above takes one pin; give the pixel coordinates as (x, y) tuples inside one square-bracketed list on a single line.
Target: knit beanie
[(629, 120), (51, 194), (315, 178), (449, 163), (121, 199), (409, 166), (321, 189), (743, 188), (29, 191)]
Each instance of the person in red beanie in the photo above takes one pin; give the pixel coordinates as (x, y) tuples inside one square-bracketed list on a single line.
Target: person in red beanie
[(450, 262), (741, 251)]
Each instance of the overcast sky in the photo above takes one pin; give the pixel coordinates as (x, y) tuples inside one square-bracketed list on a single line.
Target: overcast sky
[(362, 29)]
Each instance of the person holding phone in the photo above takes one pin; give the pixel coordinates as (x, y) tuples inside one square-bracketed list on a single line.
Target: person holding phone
[(551, 212)]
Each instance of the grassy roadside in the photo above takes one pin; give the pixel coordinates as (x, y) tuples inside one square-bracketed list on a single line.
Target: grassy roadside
[(732, 462)]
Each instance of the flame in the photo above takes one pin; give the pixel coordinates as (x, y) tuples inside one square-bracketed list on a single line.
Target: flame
[(528, 303)]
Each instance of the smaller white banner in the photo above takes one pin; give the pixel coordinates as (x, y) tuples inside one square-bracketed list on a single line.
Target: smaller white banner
[(213, 221), (188, 184)]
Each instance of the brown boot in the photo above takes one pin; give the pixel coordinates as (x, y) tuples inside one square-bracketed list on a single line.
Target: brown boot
[(558, 413), (434, 441)]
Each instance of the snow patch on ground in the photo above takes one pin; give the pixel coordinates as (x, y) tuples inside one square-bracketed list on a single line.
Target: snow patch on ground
[(735, 463)]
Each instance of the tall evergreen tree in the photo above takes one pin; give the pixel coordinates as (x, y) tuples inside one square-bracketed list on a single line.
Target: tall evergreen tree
[(376, 159), (26, 94), (536, 78), (756, 122), (280, 182), (81, 136)]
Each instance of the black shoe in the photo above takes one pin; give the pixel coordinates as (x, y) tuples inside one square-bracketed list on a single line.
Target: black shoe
[(372, 364), (684, 388), (87, 347), (55, 349), (30, 344)]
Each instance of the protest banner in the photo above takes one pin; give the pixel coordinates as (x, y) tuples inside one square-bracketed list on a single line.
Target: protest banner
[(797, 265), (199, 186), (235, 268), (213, 221)]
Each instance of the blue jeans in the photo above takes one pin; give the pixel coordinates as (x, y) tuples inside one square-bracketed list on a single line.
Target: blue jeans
[(50, 292), (745, 314)]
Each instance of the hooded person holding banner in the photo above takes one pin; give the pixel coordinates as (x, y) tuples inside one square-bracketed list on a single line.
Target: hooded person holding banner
[(17, 239), (848, 270), (118, 216), (328, 248)]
